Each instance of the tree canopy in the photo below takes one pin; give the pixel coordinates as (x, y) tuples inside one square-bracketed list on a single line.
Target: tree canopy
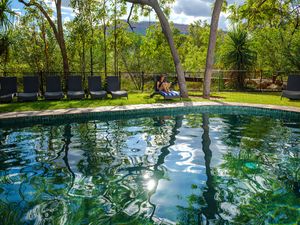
[(99, 39)]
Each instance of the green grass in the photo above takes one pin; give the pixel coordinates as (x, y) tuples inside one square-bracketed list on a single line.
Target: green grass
[(143, 98), (257, 98)]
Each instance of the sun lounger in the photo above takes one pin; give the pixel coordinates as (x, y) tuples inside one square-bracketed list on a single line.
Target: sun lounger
[(30, 89), (53, 88), (95, 88), (114, 86), (293, 88), (8, 88), (75, 90)]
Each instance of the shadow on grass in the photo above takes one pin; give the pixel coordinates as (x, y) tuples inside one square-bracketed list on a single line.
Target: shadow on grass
[(142, 98), (212, 96), (255, 93)]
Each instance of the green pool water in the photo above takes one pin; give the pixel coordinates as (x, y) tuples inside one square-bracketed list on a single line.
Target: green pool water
[(198, 168)]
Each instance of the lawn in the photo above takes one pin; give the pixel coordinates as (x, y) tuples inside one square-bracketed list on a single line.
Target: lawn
[(143, 98)]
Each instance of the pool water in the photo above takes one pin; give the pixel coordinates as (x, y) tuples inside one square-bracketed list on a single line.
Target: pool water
[(184, 169)]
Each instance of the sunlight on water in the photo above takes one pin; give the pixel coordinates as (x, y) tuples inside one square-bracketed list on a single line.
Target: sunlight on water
[(151, 185), (192, 169)]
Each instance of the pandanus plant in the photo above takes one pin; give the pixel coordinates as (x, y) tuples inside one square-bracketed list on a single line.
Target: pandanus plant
[(6, 15), (238, 54)]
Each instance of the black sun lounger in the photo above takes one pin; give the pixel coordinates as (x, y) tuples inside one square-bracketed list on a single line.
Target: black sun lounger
[(75, 90), (166, 95), (8, 88), (53, 88), (95, 88), (31, 89), (293, 88), (113, 87)]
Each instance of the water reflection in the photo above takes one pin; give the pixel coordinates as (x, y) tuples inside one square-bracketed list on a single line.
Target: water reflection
[(211, 209), (193, 169)]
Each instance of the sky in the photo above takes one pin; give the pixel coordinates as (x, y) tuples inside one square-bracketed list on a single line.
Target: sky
[(183, 11)]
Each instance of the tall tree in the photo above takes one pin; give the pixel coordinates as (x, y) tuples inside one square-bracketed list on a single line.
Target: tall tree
[(57, 28), (104, 37), (211, 48), (168, 34), (281, 16), (6, 16), (88, 15)]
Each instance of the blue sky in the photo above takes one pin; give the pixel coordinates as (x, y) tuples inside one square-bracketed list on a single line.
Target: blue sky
[(183, 11)]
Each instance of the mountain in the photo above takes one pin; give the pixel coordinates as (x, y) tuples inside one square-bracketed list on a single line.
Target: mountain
[(141, 27)]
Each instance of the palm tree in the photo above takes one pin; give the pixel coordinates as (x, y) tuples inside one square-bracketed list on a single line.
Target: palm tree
[(238, 54), (6, 15)]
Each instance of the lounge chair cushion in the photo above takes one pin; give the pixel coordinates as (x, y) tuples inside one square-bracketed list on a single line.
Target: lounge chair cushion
[(98, 94), (6, 98), (293, 83), (75, 94), (116, 94), (75, 84), (291, 94), (171, 94), (27, 96), (53, 84), (53, 95), (31, 84), (8, 85)]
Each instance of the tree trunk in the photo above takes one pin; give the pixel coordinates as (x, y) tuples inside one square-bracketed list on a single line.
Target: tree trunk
[(211, 210), (64, 54), (104, 40), (115, 40), (168, 34), (128, 71), (58, 31), (91, 54), (36, 58), (43, 29), (61, 40), (83, 63), (6, 58), (211, 48)]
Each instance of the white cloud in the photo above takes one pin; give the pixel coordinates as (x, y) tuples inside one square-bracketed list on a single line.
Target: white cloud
[(183, 11), (189, 11), (67, 19), (193, 7), (182, 18)]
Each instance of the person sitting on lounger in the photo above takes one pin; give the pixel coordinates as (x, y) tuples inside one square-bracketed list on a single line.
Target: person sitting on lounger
[(162, 84)]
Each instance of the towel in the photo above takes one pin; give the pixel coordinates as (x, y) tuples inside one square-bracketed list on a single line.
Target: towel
[(171, 93)]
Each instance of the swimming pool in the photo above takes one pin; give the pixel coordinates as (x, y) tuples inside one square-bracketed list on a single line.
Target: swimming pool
[(185, 166)]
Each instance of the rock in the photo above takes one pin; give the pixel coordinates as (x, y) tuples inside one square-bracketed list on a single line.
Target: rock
[(273, 87), (265, 84)]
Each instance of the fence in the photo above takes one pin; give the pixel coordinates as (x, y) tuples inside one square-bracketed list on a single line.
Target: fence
[(222, 80)]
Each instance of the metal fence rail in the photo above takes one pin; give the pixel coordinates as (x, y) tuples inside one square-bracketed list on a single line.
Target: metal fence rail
[(222, 80)]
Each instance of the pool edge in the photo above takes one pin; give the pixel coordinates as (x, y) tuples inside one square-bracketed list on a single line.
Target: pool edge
[(107, 109)]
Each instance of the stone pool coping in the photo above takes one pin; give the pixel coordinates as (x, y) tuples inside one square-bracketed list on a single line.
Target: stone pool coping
[(72, 111)]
